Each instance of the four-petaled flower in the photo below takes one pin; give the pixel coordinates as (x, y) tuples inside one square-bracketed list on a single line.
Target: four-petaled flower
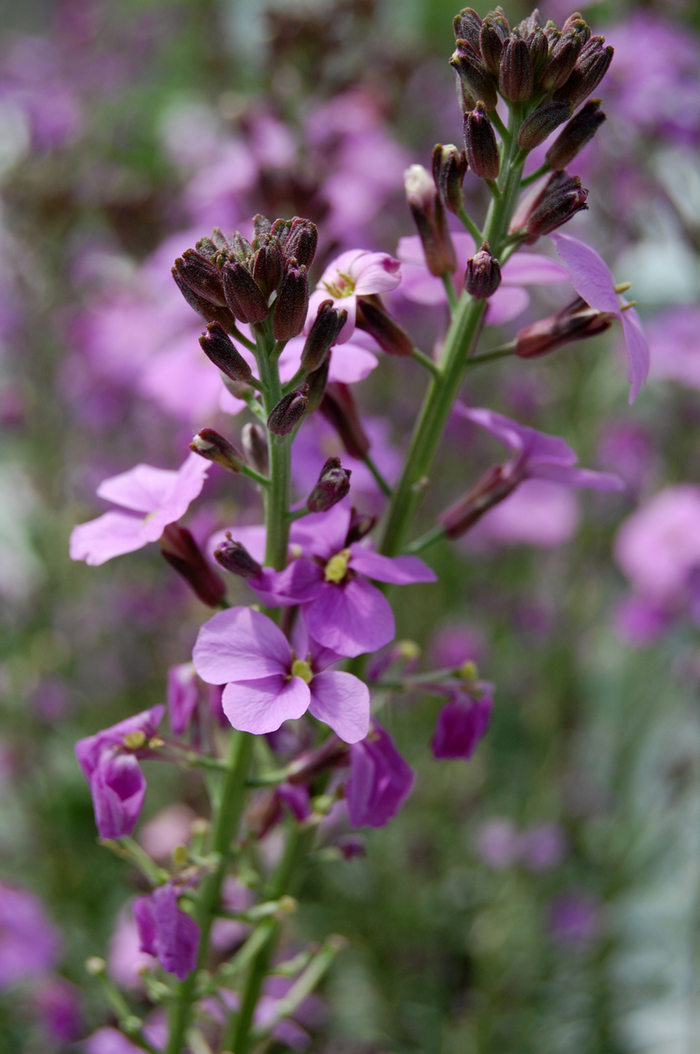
[(167, 932), (354, 273)]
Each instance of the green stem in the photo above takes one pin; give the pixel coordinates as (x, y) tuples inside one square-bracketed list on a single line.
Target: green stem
[(381, 482), (257, 476), (534, 176), (450, 291), (471, 226), (492, 356), (426, 540), (425, 361)]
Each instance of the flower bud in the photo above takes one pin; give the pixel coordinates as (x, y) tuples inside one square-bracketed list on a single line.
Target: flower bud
[(389, 335), (235, 558), (254, 443), (361, 524), (494, 33), (183, 554), (483, 275), (263, 228), (338, 407), (549, 206), (332, 486), (541, 123), (202, 276), (208, 311), (578, 132), (576, 321), (267, 266), (301, 242), (223, 353), (322, 335), (317, 381), (286, 415), (449, 170), (430, 220), (491, 489), (478, 82), (243, 295), (480, 143), (212, 446), (292, 303), (591, 66), (515, 73), (561, 61), (467, 26)]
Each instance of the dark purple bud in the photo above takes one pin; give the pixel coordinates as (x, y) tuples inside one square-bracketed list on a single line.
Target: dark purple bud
[(449, 170), (478, 82), (301, 242), (254, 443), (561, 61), (491, 489), (494, 33), (202, 276), (480, 143), (515, 73), (561, 198), (332, 486), (292, 303), (212, 446), (317, 381), (182, 553), (322, 335), (576, 321), (591, 66), (576, 23), (483, 274), (223, 353), (222, 243), (235, 558), (528, 26), (541, 123), (240, 247), (243, 295), (578, 132), (430, 220), (338, 407), (467, 26), (206, 247), (461, 725), (286, 415), (389, 335), (538, 47), (262, 227), (204, 308), (360, 526), (267, 266)]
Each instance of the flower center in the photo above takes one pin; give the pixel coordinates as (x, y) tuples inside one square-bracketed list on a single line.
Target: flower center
[(134, 740), (301, 668), (343, 285), (337, 567)]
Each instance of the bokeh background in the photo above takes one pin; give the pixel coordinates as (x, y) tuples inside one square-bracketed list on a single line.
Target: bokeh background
[(545, 896)]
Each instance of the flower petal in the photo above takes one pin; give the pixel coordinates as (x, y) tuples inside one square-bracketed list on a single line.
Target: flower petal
[(300, 582), (375, 273), (399, 570), (143, 488), (589, 274), (341, 701), (240, 644), (352, 618), (578, 477), (532, 268), (108, 536), (323, 533), (260, 706), (506, 303), (350, 363), (637, 350)]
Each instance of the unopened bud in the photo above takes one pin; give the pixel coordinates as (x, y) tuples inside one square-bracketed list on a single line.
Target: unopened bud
[(235, 558), (243, 295), (338, 406), (95, 966), (430, 220), (262, 227), (515, 73), (254, 443), (202, 276), (576, 321), (208, 311), (212, 446), (541, 123), (361, 523), (332, 486), (287, 414), (467, 26), (478, 82), (317, 381), (267, 266), (494, 32), (322, 335), (180, 855), (591, 66), (217, 346), (389, 335), (292, 303), (480, 143), (577, 133), (301, 241), (449, 170), (561, 61), (550, 205), (483, 274), (491, 489), (184, 555)]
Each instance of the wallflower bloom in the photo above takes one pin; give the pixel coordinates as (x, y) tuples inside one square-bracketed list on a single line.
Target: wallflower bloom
[(268, 683), (160, 495), (509, 300), (592, 280), (461, 725), (182, 696), (29, 942), (166, 932), (352, 274), (379, 781)]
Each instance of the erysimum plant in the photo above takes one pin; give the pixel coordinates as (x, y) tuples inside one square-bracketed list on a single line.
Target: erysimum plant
[(299, 652)]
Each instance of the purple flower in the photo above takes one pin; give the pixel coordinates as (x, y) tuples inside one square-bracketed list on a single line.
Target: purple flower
[(592, 280), (108, 761), (674, 345), (58, 1009), (29, 942), (268, 683), (575, 918), (182, 696), (537, 513), (342, 610), (461, 724), (639, 622), (354, 273), (350, 362), (497, 844), (379, 781), (537, 455), (508, 301), (160, 495), (543, 847), (166, 932), (125, 959)]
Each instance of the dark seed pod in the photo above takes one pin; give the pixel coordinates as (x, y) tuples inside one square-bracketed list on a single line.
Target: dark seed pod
[(338, 406), (483, 274), (322, 335), (375, 320), (515, 73), (449, 170), (478, 82), (212, 446), (578, 132), (208, 311), (202, 276), (184, 555)]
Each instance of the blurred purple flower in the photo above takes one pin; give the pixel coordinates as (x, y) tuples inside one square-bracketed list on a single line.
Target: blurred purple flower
[(125, 959), (182, 696), (170, 827), (166, 932), (542, 848), (538, 512), (456, 643), (674, 345), (29, 942), (461, 724), (58, 1009), (379, 781), (497, 844), (112, 1041), (627, 448), (350, 362), (575, 918), (639, 622), (354, 273)]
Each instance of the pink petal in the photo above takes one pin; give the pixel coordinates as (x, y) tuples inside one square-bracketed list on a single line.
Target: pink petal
[(260, 706), (186, 487), (322, 534), (351, 363), (108, 536), (506, 303), (589, 274), (240, 644), (300, 582), (399, 570), (229, 404), (375, 273), (420, 287), (341, 701), (532, 268), (578, 477), (143, 488), (637, 350), (352, 619), (304, 646)]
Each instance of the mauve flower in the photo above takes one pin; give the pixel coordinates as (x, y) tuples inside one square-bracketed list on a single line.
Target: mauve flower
[(543, 847), (461, 724), (537, 513), (575, 918), (58, 1009), (497, 844), (182, 696), (162, 496), (456, 643), (592, 280), (342, 610), (674, 345), (354, 273), (112, 1041), (166, 932), (29, 942), (509, 300), (268, 683), (379, 781), (639, 622), (125, 959), (350, 362), (171, 827)]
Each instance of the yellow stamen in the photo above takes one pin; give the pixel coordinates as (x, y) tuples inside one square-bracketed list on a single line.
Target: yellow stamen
[(134, 740), (408, 649), (468, 671), (623, 287), (301, 668), (626, 307), (337, 566)]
